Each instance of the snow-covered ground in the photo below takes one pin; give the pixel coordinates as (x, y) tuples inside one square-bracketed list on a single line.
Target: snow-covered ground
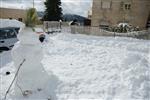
[(92, 68)]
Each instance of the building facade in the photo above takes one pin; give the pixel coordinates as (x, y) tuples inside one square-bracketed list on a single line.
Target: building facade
[(113, 12), (10, 13), (90, 14)]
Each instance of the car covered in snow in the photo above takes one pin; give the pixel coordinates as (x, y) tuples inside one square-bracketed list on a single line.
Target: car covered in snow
[(8, 32), (8, 37)]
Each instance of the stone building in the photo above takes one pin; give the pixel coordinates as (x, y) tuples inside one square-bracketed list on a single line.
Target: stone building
[(90, 14), (112, 12), (10, 13)]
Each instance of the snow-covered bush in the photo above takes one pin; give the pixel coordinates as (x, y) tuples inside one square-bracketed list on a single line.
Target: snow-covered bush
[(123, 28)]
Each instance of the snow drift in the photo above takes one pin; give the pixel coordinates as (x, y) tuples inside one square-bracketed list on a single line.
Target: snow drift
[(94, 68)]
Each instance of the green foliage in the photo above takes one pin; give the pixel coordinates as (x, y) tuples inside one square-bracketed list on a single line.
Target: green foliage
[(32, 17), (53, 11)]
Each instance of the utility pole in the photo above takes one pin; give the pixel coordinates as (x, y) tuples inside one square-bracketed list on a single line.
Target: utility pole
[(33, 3)]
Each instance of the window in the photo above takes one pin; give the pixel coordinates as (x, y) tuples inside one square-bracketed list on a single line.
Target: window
[(3, 34), (7, 33), (17, 30), (127, 6), (106, 5), (20, 19)]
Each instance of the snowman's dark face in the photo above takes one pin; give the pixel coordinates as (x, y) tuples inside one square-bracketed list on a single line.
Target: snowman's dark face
[(42, 38)]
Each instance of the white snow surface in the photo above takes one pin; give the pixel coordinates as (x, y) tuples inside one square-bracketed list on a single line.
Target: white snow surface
[(11, 23), (91, 68)]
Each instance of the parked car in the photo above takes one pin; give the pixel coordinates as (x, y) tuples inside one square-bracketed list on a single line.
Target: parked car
[(9, 28), (8, 37)]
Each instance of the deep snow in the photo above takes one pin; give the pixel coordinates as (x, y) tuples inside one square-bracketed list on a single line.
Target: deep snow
[(92, 68)]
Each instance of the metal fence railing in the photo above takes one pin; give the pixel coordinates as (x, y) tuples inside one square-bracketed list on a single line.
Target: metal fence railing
[(66, 28), (101, 32)]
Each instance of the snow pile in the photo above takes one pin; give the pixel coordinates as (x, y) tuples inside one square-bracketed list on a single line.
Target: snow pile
[(101, 68), (11, 23), (95, 68)]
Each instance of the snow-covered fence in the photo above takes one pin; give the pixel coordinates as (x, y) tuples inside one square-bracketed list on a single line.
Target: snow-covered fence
[(51, 26), (80, 29), (101, 32), (55, 26), (65, 27), (66, 24)]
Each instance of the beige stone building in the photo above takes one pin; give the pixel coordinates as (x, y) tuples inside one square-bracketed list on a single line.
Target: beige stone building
[(10, 13), (111, 12), (90, 14)]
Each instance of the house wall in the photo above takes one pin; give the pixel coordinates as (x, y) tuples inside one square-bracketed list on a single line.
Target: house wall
[(137, 15), (18, 14)]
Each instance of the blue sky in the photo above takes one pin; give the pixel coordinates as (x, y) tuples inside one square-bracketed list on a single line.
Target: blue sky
[(79, 7)]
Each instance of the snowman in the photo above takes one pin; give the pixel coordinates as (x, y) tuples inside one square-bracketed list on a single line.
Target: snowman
[(32, 80)]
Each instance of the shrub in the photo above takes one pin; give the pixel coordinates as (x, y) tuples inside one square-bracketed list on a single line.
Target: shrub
[(32, 17)]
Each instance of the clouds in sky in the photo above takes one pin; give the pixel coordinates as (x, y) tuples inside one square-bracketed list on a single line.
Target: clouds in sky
[(79, 7)]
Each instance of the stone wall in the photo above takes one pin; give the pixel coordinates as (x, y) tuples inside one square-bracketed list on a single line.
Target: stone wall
[(112, 12)]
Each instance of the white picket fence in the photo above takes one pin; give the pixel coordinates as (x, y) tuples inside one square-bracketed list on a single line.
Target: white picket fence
[(56, 26)]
